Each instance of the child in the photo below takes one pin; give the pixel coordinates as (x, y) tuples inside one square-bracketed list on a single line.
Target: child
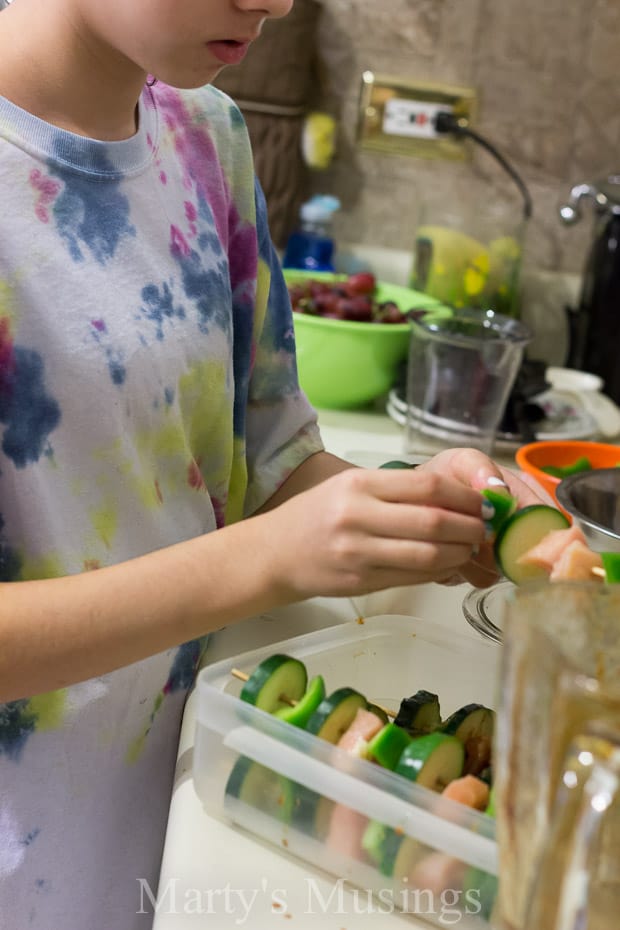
[(161, 474)]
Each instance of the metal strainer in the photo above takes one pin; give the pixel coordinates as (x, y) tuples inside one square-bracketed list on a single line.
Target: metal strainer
[(592, 498)]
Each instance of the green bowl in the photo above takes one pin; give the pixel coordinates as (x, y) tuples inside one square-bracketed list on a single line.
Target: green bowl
[(343, 364)]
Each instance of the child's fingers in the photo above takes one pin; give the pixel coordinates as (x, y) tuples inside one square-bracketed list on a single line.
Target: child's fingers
[(476, 470), (471, 467), (431, 559), (526, 489), (481, 570), (451, 581), (424, 488), (424, 523)]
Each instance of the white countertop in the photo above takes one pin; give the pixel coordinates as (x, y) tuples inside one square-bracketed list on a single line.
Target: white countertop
[(370, 437), (213, 874)]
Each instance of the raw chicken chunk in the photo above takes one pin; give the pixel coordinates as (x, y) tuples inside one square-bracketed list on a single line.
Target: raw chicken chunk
[(546, 553), (365, 725), (576, 563), (564, 555)]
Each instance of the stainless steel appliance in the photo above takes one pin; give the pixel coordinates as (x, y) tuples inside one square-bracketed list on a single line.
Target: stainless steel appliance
[(595, 324)]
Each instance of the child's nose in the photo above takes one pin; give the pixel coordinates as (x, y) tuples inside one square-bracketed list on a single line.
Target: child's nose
[(273, 9)]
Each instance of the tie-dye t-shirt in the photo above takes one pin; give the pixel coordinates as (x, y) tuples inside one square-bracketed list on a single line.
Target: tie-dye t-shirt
[(148, 393)]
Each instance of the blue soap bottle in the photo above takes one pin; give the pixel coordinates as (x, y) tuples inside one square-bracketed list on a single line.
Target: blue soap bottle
[(311, 247)]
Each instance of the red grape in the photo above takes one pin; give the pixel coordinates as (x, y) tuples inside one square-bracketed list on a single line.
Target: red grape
[(362, 282), (350, 299)]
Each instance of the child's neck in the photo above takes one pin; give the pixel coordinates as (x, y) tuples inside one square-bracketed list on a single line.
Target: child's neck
[(52, 74)]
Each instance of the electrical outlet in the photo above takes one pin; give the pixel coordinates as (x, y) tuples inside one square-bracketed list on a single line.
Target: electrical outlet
[(413, 119), (398, 116)]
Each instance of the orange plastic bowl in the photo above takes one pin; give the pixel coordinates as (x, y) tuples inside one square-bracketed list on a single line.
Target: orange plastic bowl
[(532, 457)]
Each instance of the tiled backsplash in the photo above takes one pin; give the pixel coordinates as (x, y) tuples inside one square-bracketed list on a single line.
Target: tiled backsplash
[(547, 75)]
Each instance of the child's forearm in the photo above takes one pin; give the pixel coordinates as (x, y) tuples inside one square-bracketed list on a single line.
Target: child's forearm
[(357, 531), (59, 631), (315, 469)]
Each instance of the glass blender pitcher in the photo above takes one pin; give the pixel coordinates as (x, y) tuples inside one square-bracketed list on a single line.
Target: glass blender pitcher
[(557, 779)]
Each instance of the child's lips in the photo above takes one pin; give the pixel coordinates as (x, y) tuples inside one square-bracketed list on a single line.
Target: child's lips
[(230, 51)]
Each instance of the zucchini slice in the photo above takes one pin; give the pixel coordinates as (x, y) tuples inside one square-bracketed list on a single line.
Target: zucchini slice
[(396, 463), (486, 775), (378, 712), (482, 887), (299, 715), (503, 504), (419, 713), (381, 843), (408, 854), (335, 714), (520, 533), (387, 746), (432, 760), (474, 726), (471, 720), (275, 683), (311, 812), (391, 850), (261, 787)]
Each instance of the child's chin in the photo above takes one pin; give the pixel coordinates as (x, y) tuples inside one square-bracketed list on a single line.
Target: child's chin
[(187, 81)]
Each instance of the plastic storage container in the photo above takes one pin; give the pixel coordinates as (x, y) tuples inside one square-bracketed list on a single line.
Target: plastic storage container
[(311, 247), (298, 781)]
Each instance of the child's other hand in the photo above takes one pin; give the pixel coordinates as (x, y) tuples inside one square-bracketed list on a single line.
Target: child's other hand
[(476, 470), (366, 530)]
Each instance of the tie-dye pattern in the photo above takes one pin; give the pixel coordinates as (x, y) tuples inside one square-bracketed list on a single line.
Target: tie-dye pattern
[(27, 411), (148, 393), (91, 219)]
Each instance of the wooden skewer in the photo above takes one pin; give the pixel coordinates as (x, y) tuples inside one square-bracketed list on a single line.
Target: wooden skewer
[(242, 676)]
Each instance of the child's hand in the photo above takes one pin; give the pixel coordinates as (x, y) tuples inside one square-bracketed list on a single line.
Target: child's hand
[(476, 470), (366, 530)]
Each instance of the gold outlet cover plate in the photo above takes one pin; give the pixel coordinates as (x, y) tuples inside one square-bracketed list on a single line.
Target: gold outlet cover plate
[(380, 91)]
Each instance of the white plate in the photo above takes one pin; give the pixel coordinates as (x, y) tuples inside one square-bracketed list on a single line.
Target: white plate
[(565, 418)]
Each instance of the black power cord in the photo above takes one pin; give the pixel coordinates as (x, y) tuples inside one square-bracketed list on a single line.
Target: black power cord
[(446, 122)]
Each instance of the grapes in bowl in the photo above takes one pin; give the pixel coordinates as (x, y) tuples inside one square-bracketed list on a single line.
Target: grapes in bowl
[(352, 334)]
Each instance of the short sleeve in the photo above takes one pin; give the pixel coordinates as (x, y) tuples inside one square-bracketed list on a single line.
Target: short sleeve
[(281, 426)]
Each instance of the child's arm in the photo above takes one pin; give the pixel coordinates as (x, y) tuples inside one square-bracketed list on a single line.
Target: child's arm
[(472, 468), (468, 466), (359, 531)]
